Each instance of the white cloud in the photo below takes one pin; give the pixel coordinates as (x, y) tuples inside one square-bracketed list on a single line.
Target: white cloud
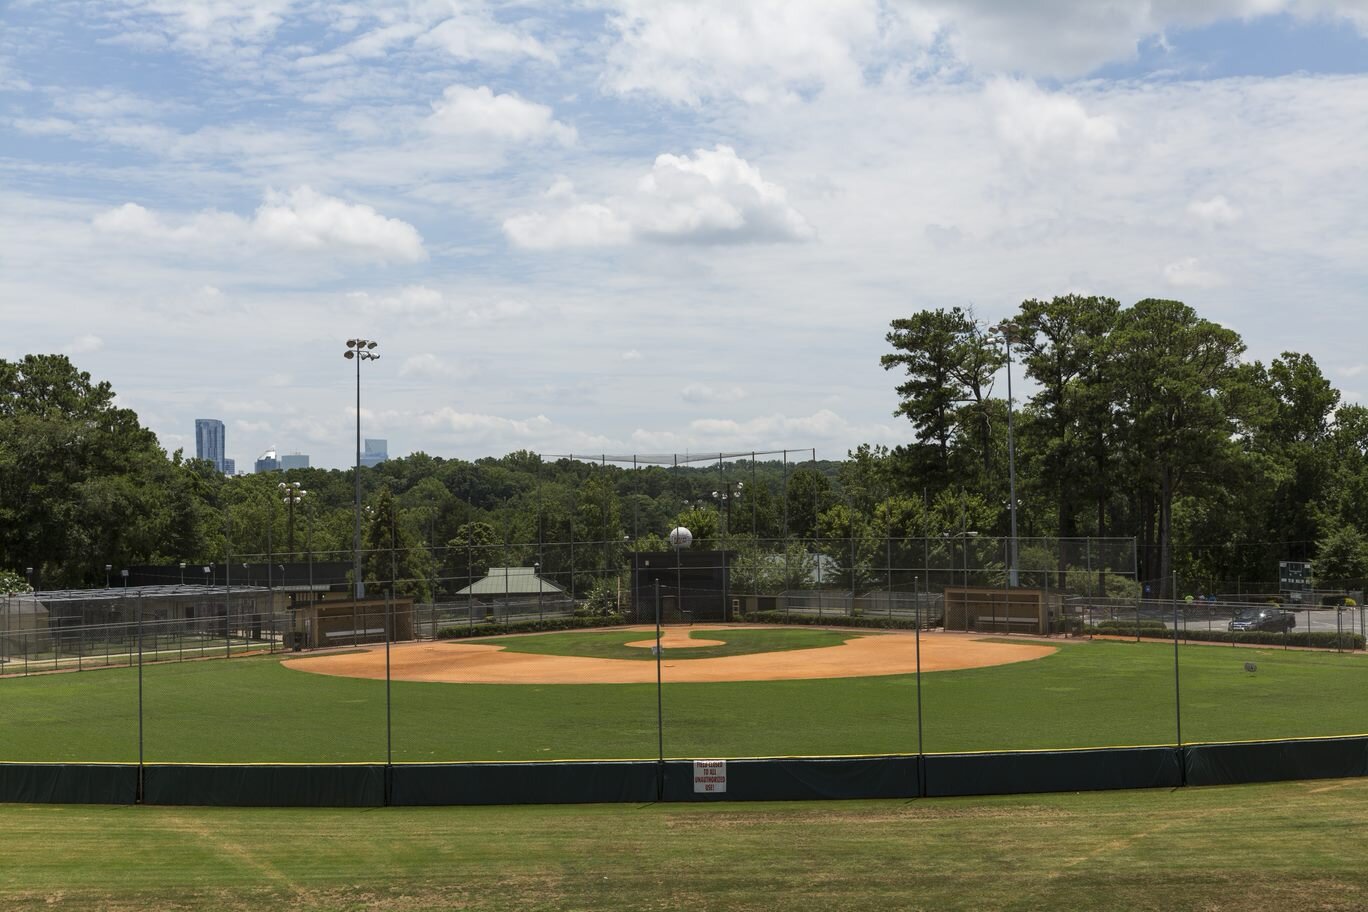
[(301, 219), (306, 219), (689, 51), (45, 126), (1190, 273), (711, 197), (425, 306), (84, 344), (580, 225), (1041, 126), (702, 392), (198, 25), (760, 51), (472, 34), (479, 112), (631, 355), (1215, 211), (427, 366)]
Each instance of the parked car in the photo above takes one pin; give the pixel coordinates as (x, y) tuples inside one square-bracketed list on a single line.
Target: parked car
[(1264, 619)]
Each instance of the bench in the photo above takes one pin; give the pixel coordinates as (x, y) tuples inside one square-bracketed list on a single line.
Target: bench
[(353, 634), (988, 621)]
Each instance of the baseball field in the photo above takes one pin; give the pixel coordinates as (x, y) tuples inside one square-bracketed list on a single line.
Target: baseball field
[(727, 692)]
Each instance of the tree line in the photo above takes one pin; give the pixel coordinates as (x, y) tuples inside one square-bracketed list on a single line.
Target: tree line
[(1140, 421)]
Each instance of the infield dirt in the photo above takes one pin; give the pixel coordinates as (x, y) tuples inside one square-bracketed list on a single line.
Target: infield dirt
[(864, 655)]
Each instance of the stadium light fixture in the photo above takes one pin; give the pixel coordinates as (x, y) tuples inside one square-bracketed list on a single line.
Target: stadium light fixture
[(359, 350)]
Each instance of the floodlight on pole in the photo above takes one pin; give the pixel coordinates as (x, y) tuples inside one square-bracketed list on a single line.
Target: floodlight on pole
[(1011, 334), (359, 350)]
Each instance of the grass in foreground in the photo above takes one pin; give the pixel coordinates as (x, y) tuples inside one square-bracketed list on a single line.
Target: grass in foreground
[(612, 644), (1086, 695), (1278, 846)]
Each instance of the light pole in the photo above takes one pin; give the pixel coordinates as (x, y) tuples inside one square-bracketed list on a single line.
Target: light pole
[(1010, 334), (964, 535), (359, 350), (291, 494), (730, 491)]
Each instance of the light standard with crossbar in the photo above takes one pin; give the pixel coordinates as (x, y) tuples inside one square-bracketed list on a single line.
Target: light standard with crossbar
[(359, 350), (1011, 334), (291, 494)]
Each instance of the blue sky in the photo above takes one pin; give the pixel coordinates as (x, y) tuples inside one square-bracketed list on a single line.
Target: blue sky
[(633, 227)]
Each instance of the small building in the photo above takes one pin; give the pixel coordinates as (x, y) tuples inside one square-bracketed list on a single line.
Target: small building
[(340, 621), (23, 627), (514, 590), (1016, 610)]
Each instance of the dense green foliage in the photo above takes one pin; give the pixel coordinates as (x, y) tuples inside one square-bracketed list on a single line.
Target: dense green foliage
[(1134, 421), (1318, 639), (1140, 421)]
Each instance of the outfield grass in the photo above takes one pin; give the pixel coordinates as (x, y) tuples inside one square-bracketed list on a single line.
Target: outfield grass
[(612, 644), (1086, 695), (1263, 847)]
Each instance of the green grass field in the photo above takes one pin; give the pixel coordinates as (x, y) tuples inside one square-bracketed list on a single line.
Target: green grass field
[(1088, 694), (1265, 847)]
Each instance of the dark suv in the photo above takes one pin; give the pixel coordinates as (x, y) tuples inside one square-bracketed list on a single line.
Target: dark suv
[(1264, 619)]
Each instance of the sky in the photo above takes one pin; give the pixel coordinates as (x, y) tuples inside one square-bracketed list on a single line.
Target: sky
[(633, 227)]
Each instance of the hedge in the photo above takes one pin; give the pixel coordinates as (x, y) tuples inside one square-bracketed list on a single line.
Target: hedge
[(1144, 624), (1320, 639), (494, 628)]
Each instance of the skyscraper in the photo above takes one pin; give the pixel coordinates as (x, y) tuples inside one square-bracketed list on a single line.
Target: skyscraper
[(376, 451), (209, 441)]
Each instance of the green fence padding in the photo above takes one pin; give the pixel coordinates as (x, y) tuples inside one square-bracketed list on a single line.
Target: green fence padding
[(1269, 761), (68, 783), (524, 783), (1051, 771), (797, 779), (265, 785)]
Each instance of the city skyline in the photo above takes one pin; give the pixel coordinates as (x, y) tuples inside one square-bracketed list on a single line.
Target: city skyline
[(675, 227)]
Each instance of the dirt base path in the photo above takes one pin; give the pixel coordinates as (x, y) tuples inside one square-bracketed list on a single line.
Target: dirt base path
[(865, 655)]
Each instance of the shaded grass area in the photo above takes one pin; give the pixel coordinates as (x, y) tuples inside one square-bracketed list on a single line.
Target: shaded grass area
[(1276, 846), (1086, 695), (612, 644)]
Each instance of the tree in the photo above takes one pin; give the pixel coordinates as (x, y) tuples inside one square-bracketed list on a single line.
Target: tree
[(949, 364), (82, 483), (1173, 371), (1341, 558), (471, 552), (1063, 346), (394, 563)]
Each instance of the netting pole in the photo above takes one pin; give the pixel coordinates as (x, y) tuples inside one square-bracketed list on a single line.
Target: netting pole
[(389, 725), (660, 706), (921, 749), (139, 797), (1177, 696)]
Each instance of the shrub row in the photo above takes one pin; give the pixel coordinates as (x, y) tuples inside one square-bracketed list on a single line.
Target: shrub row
[(837, 620), (495, 628), (1321, 639), (1143, 624)]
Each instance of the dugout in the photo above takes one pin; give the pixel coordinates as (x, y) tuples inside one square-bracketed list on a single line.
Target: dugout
[(999, 610), (350, 622), (694, 585)]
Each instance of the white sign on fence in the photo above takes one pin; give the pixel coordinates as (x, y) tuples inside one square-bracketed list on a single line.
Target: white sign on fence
[(710, 776)]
